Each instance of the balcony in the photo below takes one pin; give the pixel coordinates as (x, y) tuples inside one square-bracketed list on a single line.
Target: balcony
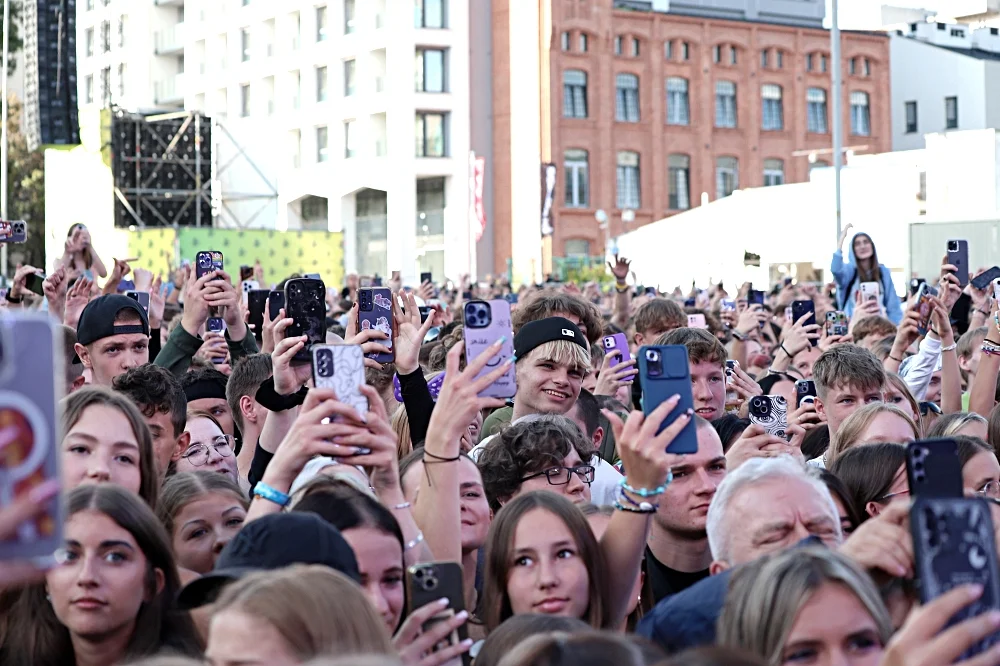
[(169, 41), (169, 91)]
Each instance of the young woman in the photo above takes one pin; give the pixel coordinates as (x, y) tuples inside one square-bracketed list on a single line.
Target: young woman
[(874, 474), (292, 615), (106, 440), (980, 468), (898, 393), (862, 266), (79, 258), (201, 511), (968, 424), (210, 449), (878, 422), (111, 596)]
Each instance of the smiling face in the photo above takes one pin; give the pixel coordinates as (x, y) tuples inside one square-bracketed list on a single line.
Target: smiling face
[(547, 574), (204, 433), (833, 627), (101, 448), (475, 509), (203, 527), (708, 386), (863, 247), (545, 386)]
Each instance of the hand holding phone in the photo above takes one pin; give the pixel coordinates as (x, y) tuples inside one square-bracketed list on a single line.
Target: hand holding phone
[(207, 261), (485, 323), (663, 373), (958, 256)]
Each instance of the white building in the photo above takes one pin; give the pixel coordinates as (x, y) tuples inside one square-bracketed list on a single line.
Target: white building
[(355, 112)]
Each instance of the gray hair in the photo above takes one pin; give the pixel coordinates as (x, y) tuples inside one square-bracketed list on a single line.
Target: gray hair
[(750, 473)]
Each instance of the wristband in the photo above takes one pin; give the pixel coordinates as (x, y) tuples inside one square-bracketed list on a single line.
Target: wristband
[(622, 289), (781, 345), (950, 347), (417, 540), (265, 491), (13, 299), (897, 360), (400, 507), (644, 507), (739, 336), (647, 492), (274, 401)]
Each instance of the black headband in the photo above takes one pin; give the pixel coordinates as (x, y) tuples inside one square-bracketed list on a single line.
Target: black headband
[(205, 388)]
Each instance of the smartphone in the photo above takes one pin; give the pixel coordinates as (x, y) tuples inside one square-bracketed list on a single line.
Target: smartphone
[(933, 468), (983, 280), (248, 286), (426, 277), (958, 256), (871, 291), (804, 388), (616, 343), (916, 282), (275, 302), (34, 282), (375, 311), (954, 544), (755, 297), (771, 413), (342, 368), (663, 373), (215, 325), (836, 322), (13, 232), (256, 299), (485, 323), (801, 309), (377, 281), (688, 302), (429, 582), (996, 289), (425, 312), (727, 305), (305, 303), (924, 307), (207, 261), (510, 298), (31, 384), (141, 297), (731, 395)]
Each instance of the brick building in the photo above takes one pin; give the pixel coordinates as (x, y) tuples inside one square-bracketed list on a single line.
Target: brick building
[(649, 111)]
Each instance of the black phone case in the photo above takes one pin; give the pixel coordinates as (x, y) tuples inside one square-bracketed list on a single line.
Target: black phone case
[(934, 469), (256, 299), (960, 260), (984, 280), (804, 388), (305, 303), (954, 544), (275, 302), (430, 581), (801, 309)]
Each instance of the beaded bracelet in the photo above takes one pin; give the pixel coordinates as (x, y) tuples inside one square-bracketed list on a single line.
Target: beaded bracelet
[(621, 507), (647, 492), (645, 506), (990, 348)]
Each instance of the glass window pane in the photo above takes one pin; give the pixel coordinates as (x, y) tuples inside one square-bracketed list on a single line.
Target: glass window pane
[(434, 71)]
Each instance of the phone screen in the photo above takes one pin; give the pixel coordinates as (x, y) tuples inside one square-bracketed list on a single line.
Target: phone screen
[(34, 283)]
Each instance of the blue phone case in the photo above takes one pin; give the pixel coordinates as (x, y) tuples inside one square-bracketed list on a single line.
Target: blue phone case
[(664, 372)]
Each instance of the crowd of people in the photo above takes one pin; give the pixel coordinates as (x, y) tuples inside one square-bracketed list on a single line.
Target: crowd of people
[(220, 508)]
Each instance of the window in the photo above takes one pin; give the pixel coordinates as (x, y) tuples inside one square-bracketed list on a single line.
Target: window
[(618, 45), (564, 41), (429, 14), (779, 57), (321, 28), (245, 44), (577, 178), (574, 94), (245, 100), (350, 72), (725, 104), (860, 114), (322, 144), (350, 22), (295, 147), (816, 111), (635, 47), (430, 131), (628, 180), (809, 62), (732, 55), (678, 108), (685, 51), (296, 85), (955, 32), (668, 49), (88, 89), (122, 20), (106, 87), (822, 63), (89, 39), (866, 67), (727, 176), (911, 117), (576, 248), (679, 173), (773, 117), (716, 54), (296, 31), (322, 84), (763, 59), (350, 138), (583, 42), (774, 173), (627, 98), (105, 36), (852, 66), (430, 70), (121, 80), (951, 113)]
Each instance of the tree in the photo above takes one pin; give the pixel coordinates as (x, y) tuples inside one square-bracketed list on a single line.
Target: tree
[(25, 186)]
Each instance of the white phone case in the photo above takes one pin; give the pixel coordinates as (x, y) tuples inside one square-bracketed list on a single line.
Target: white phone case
[(342, 368)]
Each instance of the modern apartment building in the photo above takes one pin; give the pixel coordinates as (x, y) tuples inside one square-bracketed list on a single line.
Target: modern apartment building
[(355, 112)]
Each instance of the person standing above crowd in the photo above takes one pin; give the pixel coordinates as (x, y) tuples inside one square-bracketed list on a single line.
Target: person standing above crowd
[(862, 266)]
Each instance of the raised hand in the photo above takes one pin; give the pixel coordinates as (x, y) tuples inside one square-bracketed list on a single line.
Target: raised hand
[(409, 333), (367, 338), (77, 298), (289, 377), (755, 442), (157, 302), (414, 645), (621, 268), (644, 452), (54, 288), (19, 573), (118, 273), (611, 378)]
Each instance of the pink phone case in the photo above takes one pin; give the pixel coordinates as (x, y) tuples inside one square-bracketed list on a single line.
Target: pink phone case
[(485, 323), (617, 342)]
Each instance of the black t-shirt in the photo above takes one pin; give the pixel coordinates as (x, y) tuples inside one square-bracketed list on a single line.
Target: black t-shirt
[(665, 581)]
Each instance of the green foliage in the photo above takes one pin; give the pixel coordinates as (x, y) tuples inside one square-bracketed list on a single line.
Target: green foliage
[(26, 188), (16, 40)]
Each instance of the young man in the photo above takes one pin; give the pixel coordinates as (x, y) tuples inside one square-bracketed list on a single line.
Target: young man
[(677, 552), (112, 337), (248, 414), (969, 352), (870, 330), (707, 362), (655, 318), (205, 389), (161, 400), (847, 377)]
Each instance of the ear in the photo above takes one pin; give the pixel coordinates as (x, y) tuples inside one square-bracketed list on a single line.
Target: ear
[(717, 567), (84, 355), (873, 509), (598, 436), (78, 383), (820, 408), (638, 339), (159, 581), (181, 445), (246, 409)]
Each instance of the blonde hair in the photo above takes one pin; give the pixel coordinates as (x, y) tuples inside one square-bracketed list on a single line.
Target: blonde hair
[(562, 352), (318, 611), (855, 425), (898, 384), (401, 426)]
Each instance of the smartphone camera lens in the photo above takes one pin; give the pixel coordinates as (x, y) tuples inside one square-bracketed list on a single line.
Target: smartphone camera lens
[(952, 246), (429, 582), (652, 355)]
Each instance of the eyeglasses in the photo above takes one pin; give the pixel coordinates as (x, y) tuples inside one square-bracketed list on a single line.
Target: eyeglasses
[(560, 476), (198, 454), (886, 498), (991, 489), (929, 406)]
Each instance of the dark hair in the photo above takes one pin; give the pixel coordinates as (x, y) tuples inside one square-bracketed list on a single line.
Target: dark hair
[(245, 379), (714, 656), (767, 382), (701, 345), (204, 374), (72, 370), (730, 427), (180, 490), (595, 648), (840, 492), (155, 390), (548, 303), (517, 628), (35, 635), (526, 447), (867, 472), (816, 441), (872, 274), (345, 507), (589, 410)]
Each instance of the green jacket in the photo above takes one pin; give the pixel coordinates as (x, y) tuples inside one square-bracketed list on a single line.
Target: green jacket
[(181, 347), (496, 422)]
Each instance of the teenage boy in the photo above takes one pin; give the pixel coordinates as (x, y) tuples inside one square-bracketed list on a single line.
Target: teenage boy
[(707, 363), (205, 389), (547, 304), (847, 377), (112, 337), (248, 414), (658, 316), (160, 398)]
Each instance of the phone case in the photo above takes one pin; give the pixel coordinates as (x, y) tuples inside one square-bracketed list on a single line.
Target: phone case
[(375, 311), (305, 303), (983, 280), (771, 413), (215, 325), (275, 302), (207, 261), (35, 282), (836, 322), (485, 323), (804, 388), (871, 291), (31, 376), (140, 297), (18, 232), (342, 368), (731, 395), (256, 299), (933, 468), (755, 297), (427, 583), (801, 309), (664, 372), (958, 256), (924, 307), (616, 343), (953, 544)]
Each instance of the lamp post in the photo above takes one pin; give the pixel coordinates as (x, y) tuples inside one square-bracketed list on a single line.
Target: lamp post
[(837, 125)]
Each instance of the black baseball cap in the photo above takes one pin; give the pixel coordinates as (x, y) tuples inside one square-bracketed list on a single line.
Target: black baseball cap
[(97, 321), (537, 333), (272, 542)]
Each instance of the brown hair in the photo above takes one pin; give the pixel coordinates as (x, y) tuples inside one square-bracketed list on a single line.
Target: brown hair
[(855, 425), (181, 489), (549, 303), (701, 345), (585, 649), (967, 345), (868, 471), (245, 379), (500, 557), (899, 385), (847, 365), (514, 630), (873, 326), (400, 423), (317, 610), (659, 314)]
